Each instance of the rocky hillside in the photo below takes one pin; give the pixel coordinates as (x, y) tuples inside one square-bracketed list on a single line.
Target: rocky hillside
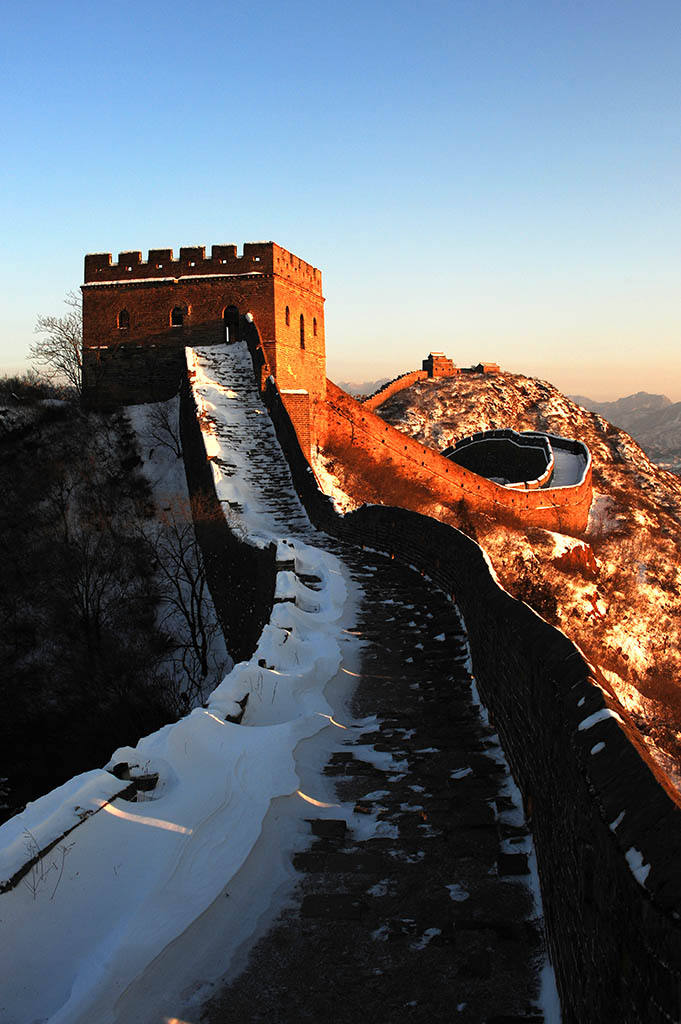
[(653, 420), (615, 591)]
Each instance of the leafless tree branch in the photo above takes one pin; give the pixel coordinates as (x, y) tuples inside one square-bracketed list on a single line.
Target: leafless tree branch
[(59, 351)]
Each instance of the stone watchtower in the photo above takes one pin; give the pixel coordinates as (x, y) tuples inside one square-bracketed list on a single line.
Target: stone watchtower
[(139, 316)]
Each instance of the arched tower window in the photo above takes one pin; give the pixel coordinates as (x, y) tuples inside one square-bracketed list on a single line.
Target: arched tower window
[(288, 317), (177, 317), (302, 331), (231, 320), (123, 320), (314, 326)]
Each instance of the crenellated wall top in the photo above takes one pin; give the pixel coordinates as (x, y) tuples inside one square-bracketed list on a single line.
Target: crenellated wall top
[(257, 258)]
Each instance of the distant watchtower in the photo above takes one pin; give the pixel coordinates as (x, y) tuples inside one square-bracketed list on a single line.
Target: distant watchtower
[(139, 316)]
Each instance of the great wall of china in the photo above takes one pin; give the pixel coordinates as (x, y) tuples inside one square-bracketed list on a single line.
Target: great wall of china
[(606, 822)]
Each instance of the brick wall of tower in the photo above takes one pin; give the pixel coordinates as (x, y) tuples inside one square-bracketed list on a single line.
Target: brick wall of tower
[(120, 356), (297, 365)]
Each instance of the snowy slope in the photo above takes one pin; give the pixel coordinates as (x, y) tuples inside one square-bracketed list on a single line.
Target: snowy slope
[(134, 876), (627, 619)]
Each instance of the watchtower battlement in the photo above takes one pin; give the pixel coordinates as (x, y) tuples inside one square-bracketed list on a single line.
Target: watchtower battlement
[(257, 258)]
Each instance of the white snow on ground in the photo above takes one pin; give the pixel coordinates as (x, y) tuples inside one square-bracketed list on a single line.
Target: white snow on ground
[(568, 468), (49, 818), (136, 876), (563, 543), (635, 861)]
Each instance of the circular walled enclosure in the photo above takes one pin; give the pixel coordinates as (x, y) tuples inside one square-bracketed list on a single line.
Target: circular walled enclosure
[(504, 455)]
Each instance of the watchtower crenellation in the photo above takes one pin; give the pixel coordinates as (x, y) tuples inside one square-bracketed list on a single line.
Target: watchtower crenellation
[(257, 258)]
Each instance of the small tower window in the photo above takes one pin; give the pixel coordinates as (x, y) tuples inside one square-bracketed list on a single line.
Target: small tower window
[(288, 317), (314, 326), (302, 331), (123, 320), (231, 321), (177, 317)]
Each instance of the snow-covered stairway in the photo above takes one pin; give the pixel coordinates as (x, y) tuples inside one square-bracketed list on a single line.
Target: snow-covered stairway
[(252, 477)]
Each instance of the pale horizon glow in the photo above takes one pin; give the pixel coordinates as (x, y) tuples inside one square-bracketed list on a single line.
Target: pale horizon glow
[(496, 181)]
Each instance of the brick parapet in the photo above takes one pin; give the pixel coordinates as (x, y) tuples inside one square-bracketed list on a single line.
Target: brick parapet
[(258, 258), (597, 803), (522, 442), (298, 408)]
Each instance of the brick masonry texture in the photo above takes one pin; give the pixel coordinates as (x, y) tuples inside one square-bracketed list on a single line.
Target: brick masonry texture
[(615, 944)]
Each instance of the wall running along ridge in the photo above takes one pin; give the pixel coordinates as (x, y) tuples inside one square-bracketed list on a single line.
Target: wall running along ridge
[(133, 353), (392, 387), (606, 822), (349, 431)]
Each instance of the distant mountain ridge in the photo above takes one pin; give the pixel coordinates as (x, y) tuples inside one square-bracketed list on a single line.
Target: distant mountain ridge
[(654, 421)]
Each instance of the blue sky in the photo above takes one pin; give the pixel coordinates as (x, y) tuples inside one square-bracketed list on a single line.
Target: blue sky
[(498, 179)]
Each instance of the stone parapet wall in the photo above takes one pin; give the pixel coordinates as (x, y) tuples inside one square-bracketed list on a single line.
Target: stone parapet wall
[(298, 407), (607, 823), (257, 258), (349, 427)]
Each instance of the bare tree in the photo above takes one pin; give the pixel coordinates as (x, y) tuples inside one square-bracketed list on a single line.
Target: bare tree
[(164, 428), (184, 591), (60, 350)]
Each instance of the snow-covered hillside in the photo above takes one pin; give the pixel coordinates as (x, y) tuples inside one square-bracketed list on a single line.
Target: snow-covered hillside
[(625, 614)]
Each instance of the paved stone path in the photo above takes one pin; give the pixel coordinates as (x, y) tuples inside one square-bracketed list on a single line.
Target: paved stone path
[(256, 486), (432, 921), (428, 919)]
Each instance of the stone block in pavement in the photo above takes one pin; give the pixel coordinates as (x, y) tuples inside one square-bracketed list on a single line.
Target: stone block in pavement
[(328, 828), (333, 907)]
